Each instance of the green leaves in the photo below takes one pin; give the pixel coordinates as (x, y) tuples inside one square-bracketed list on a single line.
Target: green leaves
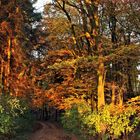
[(108, 121), (10, 110)]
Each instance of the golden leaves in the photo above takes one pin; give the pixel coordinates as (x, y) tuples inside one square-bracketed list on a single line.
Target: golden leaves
[(21, 74), (74, 40), (96, 18), (88, 1), (88, 35)]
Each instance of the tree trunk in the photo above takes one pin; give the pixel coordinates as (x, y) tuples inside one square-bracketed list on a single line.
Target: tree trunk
[(101, 81), (8, 63), (120, 97), (113, 94)]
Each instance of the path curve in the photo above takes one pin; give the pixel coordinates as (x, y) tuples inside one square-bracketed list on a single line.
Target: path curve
[(50, 131)]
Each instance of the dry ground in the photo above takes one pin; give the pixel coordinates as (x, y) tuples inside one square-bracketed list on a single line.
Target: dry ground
[(50, 131)]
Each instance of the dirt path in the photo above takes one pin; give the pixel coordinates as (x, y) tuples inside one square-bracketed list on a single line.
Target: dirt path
[(50, 131)]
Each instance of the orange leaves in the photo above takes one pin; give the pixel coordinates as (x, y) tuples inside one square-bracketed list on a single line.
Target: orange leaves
[(15, 78), (60, 53), (6, 28), (96, 2), (38, 98), (88, 1), (5, 25), (55, 95), (37, 103)]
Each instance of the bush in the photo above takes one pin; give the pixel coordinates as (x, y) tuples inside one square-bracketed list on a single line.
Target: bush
[(24, 125), (72, 119), (10, 110), (112, 121), (107, 122)]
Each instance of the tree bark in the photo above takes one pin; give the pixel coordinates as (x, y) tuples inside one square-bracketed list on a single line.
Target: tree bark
[(101, 81)]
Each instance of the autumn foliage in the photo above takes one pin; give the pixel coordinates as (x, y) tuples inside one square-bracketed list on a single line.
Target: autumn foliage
[(81, 53)]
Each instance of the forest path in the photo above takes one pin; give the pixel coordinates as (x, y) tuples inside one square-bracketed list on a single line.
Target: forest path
[(50, 131)]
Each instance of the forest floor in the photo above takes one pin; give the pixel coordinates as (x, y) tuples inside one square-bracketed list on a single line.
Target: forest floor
[(50, 131), (53, 131)]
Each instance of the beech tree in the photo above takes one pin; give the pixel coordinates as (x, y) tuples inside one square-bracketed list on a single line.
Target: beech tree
[(86, 37)]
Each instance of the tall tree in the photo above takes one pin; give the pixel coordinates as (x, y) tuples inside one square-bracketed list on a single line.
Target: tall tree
[(17, 38)]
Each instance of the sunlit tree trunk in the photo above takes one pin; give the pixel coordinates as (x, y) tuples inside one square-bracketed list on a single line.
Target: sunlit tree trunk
[(101, 68), (7, 67), (101, 81), (9, 56), (8, 62)]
